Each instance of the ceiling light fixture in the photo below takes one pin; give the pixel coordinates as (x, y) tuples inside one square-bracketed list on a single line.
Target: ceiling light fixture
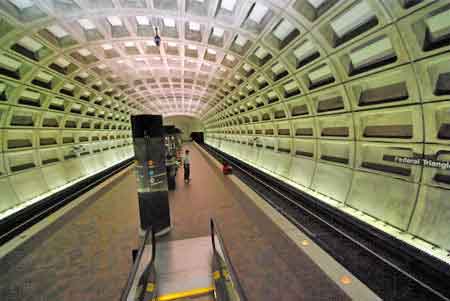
[(193, 26), (241, 41), (228, 4), (86, 24), (258, 12), (114, 21), (169, 22), (218, 32), (143, 20), (57, 31)]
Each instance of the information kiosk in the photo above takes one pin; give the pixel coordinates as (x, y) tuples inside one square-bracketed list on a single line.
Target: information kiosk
[(150, 169)]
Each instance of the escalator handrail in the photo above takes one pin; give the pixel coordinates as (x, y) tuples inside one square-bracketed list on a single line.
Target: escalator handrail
[(133, 272), (215, 231), (143, 280)]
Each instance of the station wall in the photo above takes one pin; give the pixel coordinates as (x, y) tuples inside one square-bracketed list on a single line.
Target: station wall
[(55, 127), (186, 124), (332, 118)]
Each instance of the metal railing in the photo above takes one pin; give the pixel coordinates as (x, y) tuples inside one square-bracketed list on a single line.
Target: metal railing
[(145, 289), (226, 282)]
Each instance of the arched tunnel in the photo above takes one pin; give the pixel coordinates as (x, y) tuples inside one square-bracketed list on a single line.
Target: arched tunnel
[(329, 96)]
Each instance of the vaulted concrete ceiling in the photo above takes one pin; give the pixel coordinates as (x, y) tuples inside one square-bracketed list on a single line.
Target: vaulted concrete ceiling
[(205, 43)]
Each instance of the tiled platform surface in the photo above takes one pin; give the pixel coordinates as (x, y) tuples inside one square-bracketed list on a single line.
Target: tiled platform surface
[(86, 254)]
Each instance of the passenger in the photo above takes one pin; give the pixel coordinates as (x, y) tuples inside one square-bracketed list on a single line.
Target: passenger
[(187, 166)]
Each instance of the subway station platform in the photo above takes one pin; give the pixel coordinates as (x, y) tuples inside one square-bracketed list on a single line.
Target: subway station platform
[(85, 254), (334, 116)]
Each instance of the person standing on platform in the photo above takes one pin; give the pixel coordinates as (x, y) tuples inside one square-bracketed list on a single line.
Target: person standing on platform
[(187, 166)]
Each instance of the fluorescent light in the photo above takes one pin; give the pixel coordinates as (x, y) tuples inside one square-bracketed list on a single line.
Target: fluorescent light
[(169, 22), (129, 44), (142, 20), (57, 31), (192, 47), (107, 46), (283, 30), (172, 44), (211, 51), (86, 24), (218, 32), (114, 21), (84, 52), (228, 4), (194, 26), (258, 12), (240, 40)]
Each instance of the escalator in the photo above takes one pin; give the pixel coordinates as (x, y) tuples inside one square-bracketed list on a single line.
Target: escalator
[(195, 269)]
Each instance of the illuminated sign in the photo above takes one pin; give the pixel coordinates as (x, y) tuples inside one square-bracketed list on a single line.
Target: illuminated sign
[(423, 162)]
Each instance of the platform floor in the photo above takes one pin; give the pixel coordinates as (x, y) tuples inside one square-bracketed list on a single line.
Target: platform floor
[(86, 255)]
